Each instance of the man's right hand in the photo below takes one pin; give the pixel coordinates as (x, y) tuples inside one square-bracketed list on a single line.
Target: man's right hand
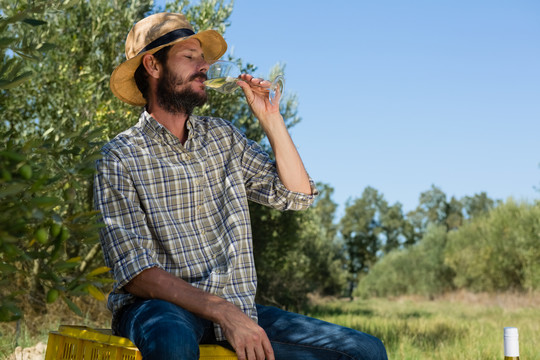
[(247, 338)]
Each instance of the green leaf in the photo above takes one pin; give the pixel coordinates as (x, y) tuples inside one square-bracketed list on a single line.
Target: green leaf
[(9, 312), (12, 155), (7, 268), (9, 84), (46, 47), (95, 292), (25, 55), (65, 265), (12, 189), (72, 306), (45, 201), (15, 18), (99, 271), (7, 238), (48, 131), (34, 22), (6, 41)]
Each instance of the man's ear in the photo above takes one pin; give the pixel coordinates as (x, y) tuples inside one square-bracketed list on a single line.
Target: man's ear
[(152, 66)]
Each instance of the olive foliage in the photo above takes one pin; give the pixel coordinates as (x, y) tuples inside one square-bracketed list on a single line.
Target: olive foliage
[(48, 230)]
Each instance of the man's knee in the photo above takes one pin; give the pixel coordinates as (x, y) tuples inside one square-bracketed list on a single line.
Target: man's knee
[(166, 343), (376, 349), (161, 330)]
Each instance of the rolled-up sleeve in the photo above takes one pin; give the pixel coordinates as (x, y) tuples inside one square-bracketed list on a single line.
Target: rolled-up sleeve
[(126, 239), (263, 184)]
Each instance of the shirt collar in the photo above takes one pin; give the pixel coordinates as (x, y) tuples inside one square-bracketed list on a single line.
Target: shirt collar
[(154, 129)]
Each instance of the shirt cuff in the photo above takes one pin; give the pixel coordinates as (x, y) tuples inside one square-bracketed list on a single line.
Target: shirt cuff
[(131, 265), (297, 200)]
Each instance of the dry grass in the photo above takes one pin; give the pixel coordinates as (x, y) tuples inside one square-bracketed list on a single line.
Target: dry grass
[(459, 325), (35, 326), (508, 300)]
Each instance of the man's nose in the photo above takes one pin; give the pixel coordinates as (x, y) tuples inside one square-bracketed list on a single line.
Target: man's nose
[(203, 66)]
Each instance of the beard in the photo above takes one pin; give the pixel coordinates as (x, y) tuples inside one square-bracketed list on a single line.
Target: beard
[(178, 101)]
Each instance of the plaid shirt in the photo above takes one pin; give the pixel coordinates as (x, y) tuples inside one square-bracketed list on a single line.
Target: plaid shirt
[(184, 208)]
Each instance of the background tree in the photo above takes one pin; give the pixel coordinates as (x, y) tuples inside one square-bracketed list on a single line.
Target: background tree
[(418, 269), (433, 208), (498, 251), (394, 226), (326, 208), (477, 205), (324, 248), (370, 228), (493, 251), (47, 228), (359, 230), (294, 257)]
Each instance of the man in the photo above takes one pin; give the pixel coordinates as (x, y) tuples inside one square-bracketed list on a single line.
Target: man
[(173, 193)]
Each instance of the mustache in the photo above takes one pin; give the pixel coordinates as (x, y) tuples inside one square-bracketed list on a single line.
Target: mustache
[(198, 75)]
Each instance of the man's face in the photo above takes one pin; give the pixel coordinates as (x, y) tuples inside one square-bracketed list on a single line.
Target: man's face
[(180, 87)]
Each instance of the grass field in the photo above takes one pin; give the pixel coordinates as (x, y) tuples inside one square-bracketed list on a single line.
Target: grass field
[(456, 326)]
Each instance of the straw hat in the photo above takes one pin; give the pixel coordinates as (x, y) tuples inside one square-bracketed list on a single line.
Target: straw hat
[(147, 37)]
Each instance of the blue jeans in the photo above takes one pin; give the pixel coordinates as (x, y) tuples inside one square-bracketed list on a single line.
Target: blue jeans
[(162, 330)]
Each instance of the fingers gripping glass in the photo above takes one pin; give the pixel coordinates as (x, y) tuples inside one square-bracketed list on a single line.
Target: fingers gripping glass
[(222, 77)]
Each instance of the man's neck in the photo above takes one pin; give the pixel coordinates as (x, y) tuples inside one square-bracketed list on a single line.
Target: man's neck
[(175, 123)]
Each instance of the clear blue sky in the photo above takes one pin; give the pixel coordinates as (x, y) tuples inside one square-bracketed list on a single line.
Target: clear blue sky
[(402, 94)]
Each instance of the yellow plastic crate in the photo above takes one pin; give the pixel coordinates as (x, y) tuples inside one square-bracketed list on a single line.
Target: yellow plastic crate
[(84, 343)]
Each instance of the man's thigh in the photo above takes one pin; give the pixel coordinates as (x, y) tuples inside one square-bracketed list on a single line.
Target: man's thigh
[(296, 336), (162, 330)]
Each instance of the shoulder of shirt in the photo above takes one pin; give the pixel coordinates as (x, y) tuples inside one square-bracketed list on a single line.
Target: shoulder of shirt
[(123, 141)]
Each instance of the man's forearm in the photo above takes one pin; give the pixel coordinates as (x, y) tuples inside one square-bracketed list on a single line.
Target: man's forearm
[(156, 283), (290, 167)]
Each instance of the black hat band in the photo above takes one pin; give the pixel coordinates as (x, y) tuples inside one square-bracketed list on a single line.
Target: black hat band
[(167, 38)]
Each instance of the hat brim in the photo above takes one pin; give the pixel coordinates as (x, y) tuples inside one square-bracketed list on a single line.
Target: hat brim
[(122, 80)]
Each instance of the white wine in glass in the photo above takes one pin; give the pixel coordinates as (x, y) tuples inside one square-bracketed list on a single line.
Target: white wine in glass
[(222, 76)]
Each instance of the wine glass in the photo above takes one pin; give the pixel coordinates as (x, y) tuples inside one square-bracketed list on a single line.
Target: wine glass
[(222, 76)]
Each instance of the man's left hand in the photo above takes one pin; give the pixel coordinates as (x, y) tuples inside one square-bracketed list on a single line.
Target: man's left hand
[(256, 91)]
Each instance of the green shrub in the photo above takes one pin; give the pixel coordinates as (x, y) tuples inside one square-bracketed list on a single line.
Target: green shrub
[(499, 251), (418, 269)]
